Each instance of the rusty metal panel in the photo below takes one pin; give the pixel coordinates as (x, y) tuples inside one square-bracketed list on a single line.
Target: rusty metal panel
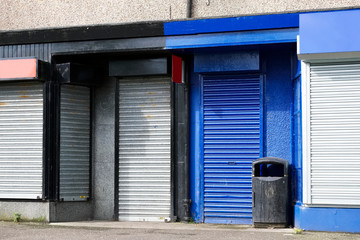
[(21, 140)]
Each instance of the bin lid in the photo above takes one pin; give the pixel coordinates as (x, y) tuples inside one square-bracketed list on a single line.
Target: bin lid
[(272, 160)]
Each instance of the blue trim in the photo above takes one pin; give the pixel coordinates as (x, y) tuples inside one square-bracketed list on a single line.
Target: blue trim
[(196, 144), (262, 119), (297, 141), (232, 24), (233, 39), (298, 69), (201, 151), (327, 219)]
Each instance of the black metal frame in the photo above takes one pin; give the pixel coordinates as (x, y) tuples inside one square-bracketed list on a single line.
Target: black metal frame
[(173, 213), (50, 174), (180, 148), (56, 128), (57, 146), (94, 32), (116, 152)]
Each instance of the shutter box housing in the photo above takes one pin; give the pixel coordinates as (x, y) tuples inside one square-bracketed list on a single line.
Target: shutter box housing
[(78, 74)]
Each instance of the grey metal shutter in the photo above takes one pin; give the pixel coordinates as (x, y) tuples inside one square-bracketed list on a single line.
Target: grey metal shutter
[(231, 143), (74, 143), (144, 154), (333, 159), (21, 140), (334, 139)]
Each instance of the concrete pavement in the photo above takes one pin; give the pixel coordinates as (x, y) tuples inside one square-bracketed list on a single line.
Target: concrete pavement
[(150, 231)]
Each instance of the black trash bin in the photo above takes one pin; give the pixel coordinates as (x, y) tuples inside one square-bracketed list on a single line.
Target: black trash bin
[(270, 187)]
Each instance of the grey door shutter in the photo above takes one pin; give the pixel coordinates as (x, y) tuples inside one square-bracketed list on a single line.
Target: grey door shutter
[(144, 149), (21, 140), (333, 133), (231, 143), (74, 143)]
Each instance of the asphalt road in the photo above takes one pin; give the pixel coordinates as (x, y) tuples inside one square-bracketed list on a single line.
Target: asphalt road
[(19, 231)]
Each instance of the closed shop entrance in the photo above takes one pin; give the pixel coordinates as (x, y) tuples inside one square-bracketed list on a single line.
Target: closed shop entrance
[(144, 149), (21, 138), (231, 135)]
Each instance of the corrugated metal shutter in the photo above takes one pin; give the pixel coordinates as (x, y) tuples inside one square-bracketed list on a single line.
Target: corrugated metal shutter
[(21, 140), (231, 143), (74, 143), (144, 154), (334, 140)]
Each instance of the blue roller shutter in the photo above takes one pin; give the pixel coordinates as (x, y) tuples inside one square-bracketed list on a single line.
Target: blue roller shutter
[(231, 142)]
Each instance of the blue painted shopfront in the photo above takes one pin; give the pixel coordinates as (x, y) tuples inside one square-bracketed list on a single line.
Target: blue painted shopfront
[(237, 116), (241, 94), (220, 51)]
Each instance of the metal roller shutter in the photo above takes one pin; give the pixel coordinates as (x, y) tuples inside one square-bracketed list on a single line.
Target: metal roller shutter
[(144, 149), (231, 143), (74, 143), (21, 140), (332, 159)]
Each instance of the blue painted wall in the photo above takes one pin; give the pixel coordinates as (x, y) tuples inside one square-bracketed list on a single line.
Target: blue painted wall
[(227, 61), (327, 219), (278, 103), (330, 32)]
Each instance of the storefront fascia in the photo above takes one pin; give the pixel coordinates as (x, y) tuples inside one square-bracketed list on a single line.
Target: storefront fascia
[(330, 54)]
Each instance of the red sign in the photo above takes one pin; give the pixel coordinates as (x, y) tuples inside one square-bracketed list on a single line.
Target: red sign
[(177, 69), (18, 68)]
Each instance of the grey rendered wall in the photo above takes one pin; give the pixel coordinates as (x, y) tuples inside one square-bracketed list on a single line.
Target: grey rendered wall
[(29, 14), (29, 211), (208, 8), (70, 211), (104, 151)]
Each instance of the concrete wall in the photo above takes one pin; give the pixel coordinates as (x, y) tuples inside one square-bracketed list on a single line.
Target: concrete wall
[(70, 211), (104, 151), (29, 211), (29, 14)]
